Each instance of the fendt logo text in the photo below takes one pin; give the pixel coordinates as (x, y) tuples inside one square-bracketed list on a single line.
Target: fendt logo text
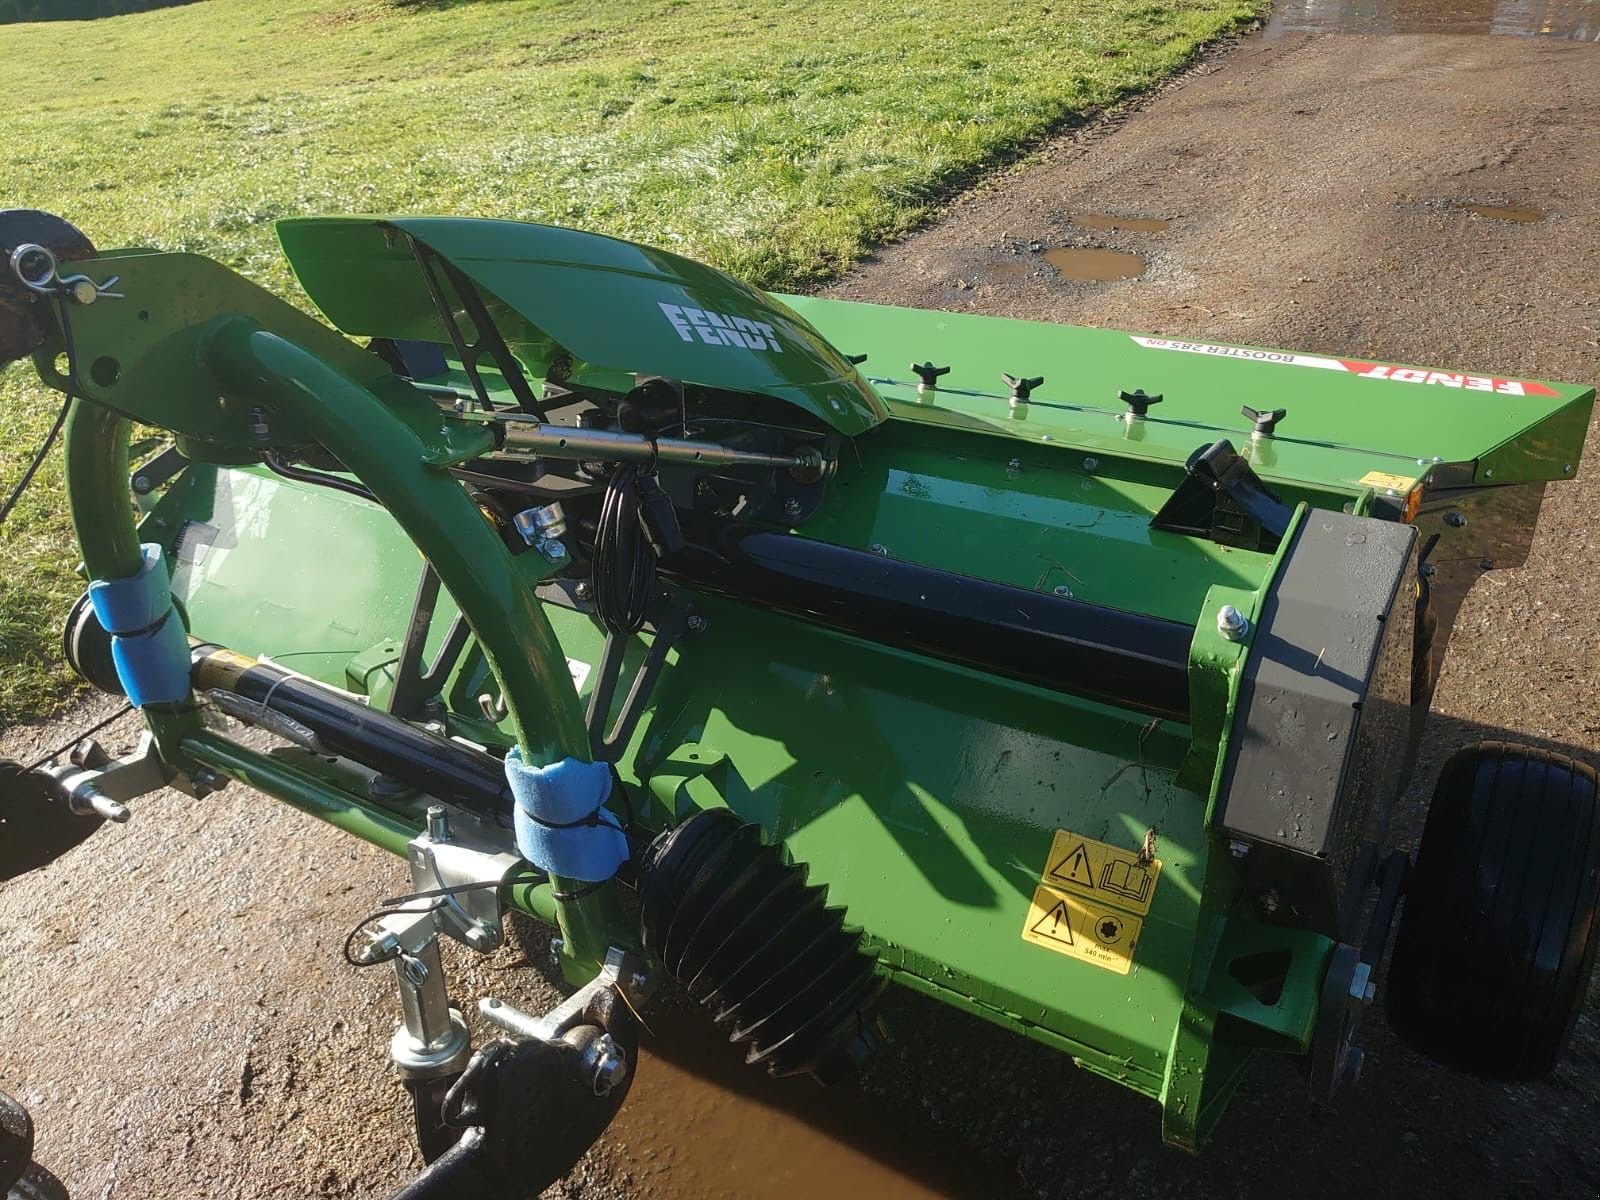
[(721, 329)]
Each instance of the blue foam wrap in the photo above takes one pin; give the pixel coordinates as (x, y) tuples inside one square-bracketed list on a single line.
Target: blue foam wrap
[(549, 800), (149, 644)]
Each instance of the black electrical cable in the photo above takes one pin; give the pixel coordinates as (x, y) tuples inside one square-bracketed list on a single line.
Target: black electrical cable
[(78, 737), (436, 897), (61, 417), (624, 563), (279, 465)]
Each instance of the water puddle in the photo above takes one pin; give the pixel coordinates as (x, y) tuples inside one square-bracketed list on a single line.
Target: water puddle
[(1009, 270), (702, 1125), (1504, 212), (1568, 20), (1131, 224), (1086, 265)]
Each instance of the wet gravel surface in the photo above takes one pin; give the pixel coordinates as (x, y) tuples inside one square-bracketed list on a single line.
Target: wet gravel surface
[(175, 1010)]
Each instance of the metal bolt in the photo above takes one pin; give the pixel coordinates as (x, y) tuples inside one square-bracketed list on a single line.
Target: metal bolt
[(583, 590), (609, 1063), (1489, 474), (141, 484), (557, 945), (1232, 624), (878, 548), (791, 507), (386, 789), (638, 980), (206, 780), (88, 800), (438, 823), (1014, 467), (1269, 901), (698, 624), (552, 549), (1426, 570), (259, 429), (1062, 590), (381, 947), (1090, 463), (481, 938), (1239, 849), (1566, 468)]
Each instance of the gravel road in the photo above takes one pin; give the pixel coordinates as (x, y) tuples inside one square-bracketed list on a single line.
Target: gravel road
[(175, 1011)]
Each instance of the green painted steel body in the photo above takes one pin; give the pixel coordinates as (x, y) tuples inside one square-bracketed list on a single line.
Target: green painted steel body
[(925, 795)]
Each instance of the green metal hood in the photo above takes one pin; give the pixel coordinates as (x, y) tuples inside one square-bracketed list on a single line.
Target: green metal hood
[(1349, 421), (610, 305)]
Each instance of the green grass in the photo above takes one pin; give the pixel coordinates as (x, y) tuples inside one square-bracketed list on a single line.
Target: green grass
[(776, 140)]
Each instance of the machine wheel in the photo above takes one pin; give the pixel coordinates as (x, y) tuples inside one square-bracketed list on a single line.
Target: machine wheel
[(1497, 940), (87, 647), (34, 829)]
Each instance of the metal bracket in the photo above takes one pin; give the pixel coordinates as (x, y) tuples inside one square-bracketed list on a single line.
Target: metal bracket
[(451, 854), (102, 791), (152, 473), (1221, 498), (608, 745), (623, 970), (1348, 989)]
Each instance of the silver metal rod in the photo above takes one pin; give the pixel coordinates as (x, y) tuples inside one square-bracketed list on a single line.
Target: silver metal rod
[(609, 445)]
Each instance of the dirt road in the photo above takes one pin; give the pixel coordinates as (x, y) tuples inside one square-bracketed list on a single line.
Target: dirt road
[(175, 1010)]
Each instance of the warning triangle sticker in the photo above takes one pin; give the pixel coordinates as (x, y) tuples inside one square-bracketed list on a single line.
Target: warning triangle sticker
[(1055, 924), (1075, 867)]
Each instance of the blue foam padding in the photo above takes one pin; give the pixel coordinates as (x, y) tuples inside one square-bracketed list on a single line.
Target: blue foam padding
[(561, 793), (138, 602), (154, 666)]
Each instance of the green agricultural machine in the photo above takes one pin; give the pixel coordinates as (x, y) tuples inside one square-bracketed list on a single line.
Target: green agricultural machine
[(1067, 676)]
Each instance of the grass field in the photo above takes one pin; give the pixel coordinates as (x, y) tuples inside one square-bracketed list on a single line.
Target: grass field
[(777, 140)]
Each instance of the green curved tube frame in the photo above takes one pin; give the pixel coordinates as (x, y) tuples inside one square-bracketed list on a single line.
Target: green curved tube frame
[(399, 446)]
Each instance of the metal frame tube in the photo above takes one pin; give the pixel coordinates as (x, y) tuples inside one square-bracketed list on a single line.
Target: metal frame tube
[(374, 441), (609, 445)]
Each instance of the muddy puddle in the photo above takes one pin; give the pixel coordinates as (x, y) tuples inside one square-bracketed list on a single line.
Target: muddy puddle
[(1504, 212), (1093, 265), (1572, 20), (702, 1125)]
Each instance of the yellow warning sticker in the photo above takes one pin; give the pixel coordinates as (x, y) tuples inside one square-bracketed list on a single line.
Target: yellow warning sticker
[(1062, 922), (1101, 873), (1381, 479)]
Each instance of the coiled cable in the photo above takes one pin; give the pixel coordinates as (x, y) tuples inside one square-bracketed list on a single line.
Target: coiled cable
[(624, 562)]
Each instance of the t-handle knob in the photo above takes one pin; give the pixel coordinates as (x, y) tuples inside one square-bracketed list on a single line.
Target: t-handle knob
[(929, 374), (1138, 403), (1266, 423), (1021, 388)]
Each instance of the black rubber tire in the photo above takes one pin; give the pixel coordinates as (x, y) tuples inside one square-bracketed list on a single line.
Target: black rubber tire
[(1497, 940), (87, 647), (34, 829)]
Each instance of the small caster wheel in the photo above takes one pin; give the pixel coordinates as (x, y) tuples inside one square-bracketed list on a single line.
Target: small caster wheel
[(34, 828), (1495, 947)]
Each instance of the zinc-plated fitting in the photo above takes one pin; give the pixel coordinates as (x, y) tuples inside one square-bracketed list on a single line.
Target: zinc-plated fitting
[(607, 1062), (1232, 624)]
